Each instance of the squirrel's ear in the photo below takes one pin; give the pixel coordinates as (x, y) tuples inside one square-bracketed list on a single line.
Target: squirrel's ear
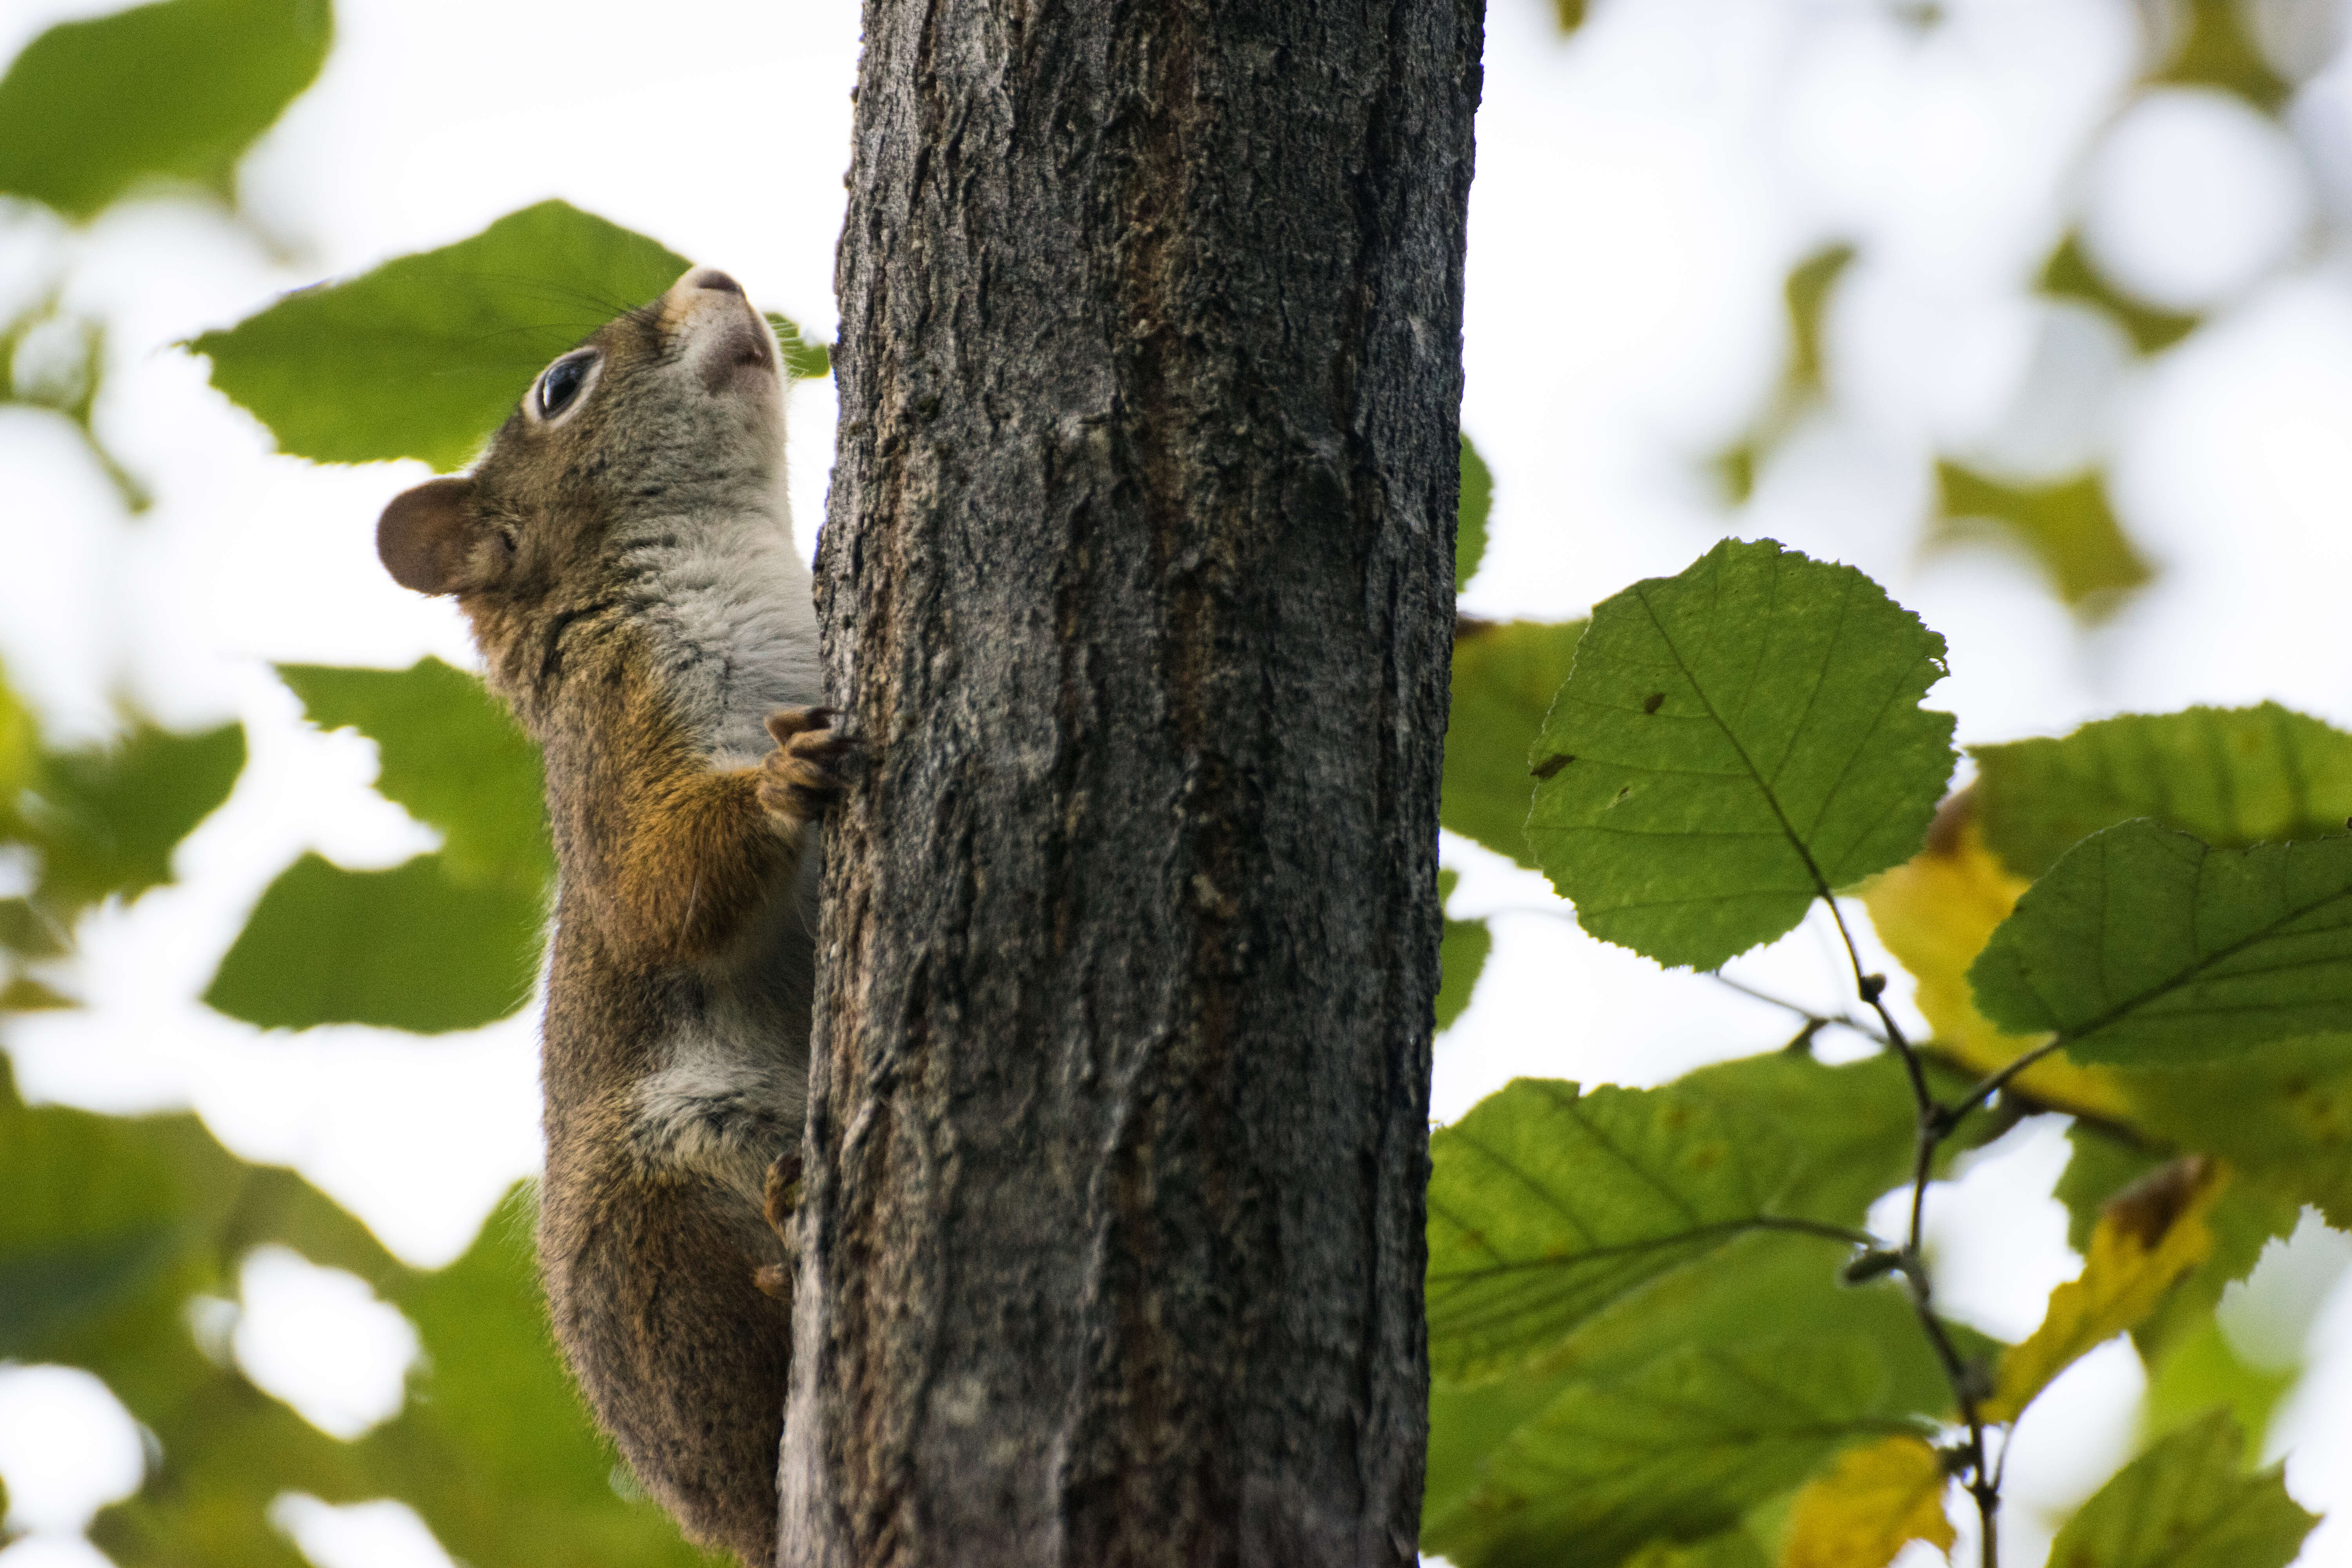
[(426, 537)]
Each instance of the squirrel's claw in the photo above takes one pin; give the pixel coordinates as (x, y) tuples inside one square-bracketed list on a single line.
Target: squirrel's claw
[(801, 777), (781, 1199)]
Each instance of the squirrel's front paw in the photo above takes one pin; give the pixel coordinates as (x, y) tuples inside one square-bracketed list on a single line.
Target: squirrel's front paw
[(782, 1197), (800, 778)]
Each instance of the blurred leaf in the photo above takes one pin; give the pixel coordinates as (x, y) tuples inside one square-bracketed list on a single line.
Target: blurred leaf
[(1677, 1451), (424, 356), (1732, 744), (1735, 470), (112, 1225), (2231, 776), (1747, 1297), (1935, 912), (1852, 1124), (1470, 526), (1806, 292), (177, 90), (22, 994), (20, 741), (2069, 275), (30, 932), (412, 948), (1571, 14), (803, 360), (2146, 947), (2188, 1503), (2202, 1372), (2068, 529), (1504, 677), (495, 1450), (1461, 956), (106, 819), (450, 754), (2253, 1211), (1877, 1501), (2215, 48), (1733, 1549), (2282, 1114), (1547, 1205), (2147, 1236), (69, 389)]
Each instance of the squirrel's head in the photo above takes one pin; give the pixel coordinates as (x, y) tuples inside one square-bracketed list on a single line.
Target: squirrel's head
[(672, 411)]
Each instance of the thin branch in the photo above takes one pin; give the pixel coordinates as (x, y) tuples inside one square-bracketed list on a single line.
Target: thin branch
[(1936, 1124), (1814, 1022)]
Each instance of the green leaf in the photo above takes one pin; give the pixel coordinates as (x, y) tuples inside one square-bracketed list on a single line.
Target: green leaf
[(1677, 1451), (106, 819), (2233, 776), (2069, 275), (2187, 1503), (2146, 947), (1746, 1294), (2202, 1371), (1470, 526), (1506, 674), (411, 948), (2218, 49), (1732, 744), (452, 755), (1733, 1549), (2282, 1114), (29, 930), (426, 354), (177, 91), (2068, 529), (803, 360), (1545, 1205), (1461, 956), (534, 1481), (494, 1448)]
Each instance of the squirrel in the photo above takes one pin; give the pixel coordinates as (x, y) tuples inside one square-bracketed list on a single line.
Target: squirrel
[(623, 551)]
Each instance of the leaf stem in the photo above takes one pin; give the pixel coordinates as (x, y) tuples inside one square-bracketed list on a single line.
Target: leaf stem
[(2000, 1081), (1936, 1122)]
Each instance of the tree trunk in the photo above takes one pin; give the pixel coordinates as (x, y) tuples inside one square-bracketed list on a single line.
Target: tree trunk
[(1138, 586)]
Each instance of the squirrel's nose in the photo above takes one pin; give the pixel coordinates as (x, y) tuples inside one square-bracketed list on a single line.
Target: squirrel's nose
[(711, 278)]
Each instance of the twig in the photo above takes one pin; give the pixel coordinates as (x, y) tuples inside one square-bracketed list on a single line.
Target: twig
[(1936, 1124), (1814, 1022)]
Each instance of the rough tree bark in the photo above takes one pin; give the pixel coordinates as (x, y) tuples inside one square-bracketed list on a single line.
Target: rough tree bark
[(1138, 585)]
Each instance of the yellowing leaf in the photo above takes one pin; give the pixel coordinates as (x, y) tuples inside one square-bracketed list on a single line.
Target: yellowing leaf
[(1874, 1503), (2149, 1236), (1935, 912)]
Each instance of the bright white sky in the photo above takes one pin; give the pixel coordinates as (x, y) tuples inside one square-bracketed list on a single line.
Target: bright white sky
[(1641, 192)]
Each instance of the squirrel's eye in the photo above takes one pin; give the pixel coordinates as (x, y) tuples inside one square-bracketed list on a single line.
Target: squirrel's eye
[(562, 383)]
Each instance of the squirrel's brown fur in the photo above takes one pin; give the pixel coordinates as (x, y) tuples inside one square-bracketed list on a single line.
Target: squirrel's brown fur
[(624, 552)]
